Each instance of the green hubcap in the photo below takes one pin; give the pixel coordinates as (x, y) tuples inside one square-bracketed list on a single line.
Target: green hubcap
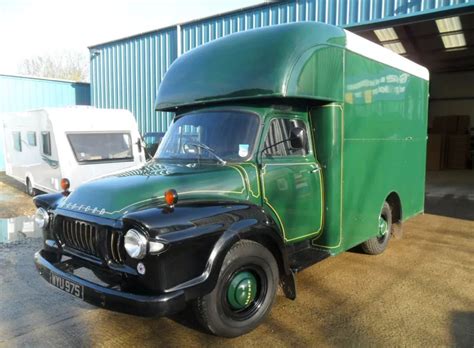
[(383, 226), (242, 290)]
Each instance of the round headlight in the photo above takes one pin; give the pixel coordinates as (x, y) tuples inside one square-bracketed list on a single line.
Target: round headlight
[(41, 218), (135, 244)]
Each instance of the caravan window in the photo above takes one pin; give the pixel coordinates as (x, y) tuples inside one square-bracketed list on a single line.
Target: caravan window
[(17, 141), (31, 137), (46, 140), (95, 147)]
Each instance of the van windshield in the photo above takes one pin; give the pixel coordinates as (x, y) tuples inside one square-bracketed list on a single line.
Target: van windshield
[(95, 147), (212, 135)]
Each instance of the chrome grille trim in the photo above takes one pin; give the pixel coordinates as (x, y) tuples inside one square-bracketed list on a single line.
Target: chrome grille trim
[(112, 244), (115, 247), (85, 237), (79, 235)]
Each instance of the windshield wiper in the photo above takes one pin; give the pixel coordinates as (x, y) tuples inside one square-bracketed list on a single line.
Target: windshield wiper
[(208, 149)]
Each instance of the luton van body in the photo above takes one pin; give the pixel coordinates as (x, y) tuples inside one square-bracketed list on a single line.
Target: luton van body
[(289, 144), (80, 143)]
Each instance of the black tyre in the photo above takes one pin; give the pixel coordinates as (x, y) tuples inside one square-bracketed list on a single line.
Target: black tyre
[(378, 244), (29, 188), (244, 293)]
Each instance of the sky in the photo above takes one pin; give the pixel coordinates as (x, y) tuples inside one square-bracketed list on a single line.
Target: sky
[(31, 28)]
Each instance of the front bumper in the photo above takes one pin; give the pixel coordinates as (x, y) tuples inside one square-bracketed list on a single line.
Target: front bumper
[(116, 300)]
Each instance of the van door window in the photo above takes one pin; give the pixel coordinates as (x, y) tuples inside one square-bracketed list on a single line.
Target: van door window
[(17, 141), (280, 130), (46, 141)]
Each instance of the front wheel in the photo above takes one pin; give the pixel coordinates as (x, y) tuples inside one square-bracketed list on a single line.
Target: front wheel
[(244, 293)]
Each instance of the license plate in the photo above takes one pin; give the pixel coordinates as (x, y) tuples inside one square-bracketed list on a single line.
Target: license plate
[(67, 286)]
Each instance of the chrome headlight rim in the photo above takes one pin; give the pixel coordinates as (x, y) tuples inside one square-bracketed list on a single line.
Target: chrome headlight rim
[(41, 218), (135, 244)]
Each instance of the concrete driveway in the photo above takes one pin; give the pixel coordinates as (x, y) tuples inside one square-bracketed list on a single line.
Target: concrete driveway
[(420, 292)]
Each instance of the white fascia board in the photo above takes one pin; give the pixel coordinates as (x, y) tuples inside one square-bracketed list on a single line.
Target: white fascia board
[(367, 48)]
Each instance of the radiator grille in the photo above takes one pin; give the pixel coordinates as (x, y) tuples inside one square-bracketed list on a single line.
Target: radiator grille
[(86, 237), (80, 235), (115, 244)]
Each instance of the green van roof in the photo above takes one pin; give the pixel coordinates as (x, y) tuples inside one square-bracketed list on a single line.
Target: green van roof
[(297, 60)]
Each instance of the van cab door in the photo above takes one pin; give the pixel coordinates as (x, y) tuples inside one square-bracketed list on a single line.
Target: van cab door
[(292, 181)]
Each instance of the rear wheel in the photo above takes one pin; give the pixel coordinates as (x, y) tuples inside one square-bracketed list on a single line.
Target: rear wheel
[(244, 293), (29, 188), (378, 244)]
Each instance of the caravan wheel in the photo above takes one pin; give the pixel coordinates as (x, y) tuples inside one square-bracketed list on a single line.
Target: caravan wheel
[(29, 188)]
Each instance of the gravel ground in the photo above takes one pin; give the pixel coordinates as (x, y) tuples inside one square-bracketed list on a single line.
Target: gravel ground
[(13, 199), (420, 292)]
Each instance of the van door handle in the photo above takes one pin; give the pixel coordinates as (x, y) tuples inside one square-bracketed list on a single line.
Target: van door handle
[(315, 170)]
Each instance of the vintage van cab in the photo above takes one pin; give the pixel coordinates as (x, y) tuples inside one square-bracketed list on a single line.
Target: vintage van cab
[(289, 144)]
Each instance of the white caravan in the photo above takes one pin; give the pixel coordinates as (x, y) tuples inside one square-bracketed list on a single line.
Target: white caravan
[(79, 143)]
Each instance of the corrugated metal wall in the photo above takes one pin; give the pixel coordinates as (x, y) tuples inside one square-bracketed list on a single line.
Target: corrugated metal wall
[(19, 93), (345, 13), (125, 73)]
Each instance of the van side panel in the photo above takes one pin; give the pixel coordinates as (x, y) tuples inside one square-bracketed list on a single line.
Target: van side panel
[(385, 130), (327, 128)]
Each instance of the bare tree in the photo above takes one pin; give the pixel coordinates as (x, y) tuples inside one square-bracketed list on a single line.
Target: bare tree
[(68, 65)]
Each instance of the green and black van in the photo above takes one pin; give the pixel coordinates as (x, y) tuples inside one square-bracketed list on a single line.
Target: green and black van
[(289, 144)]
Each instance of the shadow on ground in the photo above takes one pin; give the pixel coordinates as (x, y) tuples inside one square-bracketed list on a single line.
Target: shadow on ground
[(12, 182), (450, 193), (462, 329), (450, 206)]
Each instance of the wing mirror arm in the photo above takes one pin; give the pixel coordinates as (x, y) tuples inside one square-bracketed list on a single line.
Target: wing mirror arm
[(298, 140), (260, 159)]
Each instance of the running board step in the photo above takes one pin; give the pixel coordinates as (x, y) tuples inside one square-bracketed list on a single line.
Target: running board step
[(306, 257)]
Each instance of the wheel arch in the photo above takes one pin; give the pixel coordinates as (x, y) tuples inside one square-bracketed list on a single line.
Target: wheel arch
[(229, 225), (267, 237), (287, 277), (393, 199), (276, 250), (395, 204)]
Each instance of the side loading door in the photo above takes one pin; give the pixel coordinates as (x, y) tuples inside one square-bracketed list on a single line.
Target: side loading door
[(292, 181)]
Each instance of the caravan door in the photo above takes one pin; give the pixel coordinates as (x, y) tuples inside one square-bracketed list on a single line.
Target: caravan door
[(47, 176)]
